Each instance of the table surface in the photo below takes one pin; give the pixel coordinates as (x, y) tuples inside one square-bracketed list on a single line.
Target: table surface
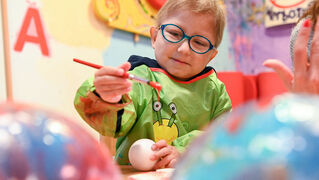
[(129, 173), (128, 170)]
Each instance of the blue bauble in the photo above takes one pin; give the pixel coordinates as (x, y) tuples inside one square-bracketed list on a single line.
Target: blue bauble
[(40, 145), (279, 140)]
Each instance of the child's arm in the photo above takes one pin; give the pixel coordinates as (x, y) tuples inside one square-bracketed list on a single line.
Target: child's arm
[(100, 115), (223, 103), (108, 118), (183, 141)]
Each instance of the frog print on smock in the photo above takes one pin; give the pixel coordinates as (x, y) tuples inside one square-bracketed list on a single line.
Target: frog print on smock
[(165, 128)]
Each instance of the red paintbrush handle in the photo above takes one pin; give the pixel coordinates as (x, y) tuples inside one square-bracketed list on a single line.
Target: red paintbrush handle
[(96, 66)]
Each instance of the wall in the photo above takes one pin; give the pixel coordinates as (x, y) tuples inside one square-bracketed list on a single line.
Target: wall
[(251, 41), (48, 77)]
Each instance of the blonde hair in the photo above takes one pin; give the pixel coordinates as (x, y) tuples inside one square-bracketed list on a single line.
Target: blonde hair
[(210, 7)]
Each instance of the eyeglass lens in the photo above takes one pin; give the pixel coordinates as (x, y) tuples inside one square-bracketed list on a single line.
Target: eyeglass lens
[(175, 34)]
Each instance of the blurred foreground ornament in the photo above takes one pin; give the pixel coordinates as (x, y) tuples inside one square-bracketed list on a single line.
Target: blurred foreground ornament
[(276, 141), (41, 145)]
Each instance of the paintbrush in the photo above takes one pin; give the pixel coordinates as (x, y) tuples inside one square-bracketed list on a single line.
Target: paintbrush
[(126, 75)]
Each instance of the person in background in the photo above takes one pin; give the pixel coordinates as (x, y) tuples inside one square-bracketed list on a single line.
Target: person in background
[(304, 47), (185, 39)]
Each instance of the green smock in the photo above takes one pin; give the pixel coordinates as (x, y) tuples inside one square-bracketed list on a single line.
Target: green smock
[(185, 107)]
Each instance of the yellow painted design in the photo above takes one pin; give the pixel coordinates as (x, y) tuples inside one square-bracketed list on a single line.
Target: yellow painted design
[(135, 16), (73, 23), (165, 132), (108, 10)]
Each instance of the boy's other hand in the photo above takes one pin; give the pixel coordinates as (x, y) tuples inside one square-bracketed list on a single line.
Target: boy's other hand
[(165, 155), (109, 83)]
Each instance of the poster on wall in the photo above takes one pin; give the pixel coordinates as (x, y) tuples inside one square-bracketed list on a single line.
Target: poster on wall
[(280, 12)]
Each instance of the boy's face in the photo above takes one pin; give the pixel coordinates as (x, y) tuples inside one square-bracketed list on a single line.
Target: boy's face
[(177, 58)]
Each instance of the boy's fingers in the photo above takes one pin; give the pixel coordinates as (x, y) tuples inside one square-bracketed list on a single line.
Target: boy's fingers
[(163, 162), (159, 145), (160, 164), (110, 80), (282, 70), (114, 99), (126, 66), (113, 87), (111, 93), (159, 154), (300, 49), (107, 70), (172, 163)]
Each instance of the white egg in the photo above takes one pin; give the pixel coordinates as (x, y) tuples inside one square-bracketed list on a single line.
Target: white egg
[(140, 153)]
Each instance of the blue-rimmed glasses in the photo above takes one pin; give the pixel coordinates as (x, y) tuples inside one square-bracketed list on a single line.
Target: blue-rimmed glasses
[(197, 43)]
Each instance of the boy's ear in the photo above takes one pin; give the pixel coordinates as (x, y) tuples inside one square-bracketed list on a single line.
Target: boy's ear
[(214, 53), (153, 32)]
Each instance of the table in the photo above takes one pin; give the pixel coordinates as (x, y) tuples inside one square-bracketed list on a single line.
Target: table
[(129, 173)]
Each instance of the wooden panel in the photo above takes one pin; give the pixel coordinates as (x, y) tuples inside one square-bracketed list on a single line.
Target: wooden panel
[(5, 76)]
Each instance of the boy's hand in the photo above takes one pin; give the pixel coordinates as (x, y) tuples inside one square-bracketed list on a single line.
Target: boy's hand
[(166, 155), (109, 83)]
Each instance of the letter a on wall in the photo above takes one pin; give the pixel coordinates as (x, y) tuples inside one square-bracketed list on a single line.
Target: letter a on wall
[(36, 37)]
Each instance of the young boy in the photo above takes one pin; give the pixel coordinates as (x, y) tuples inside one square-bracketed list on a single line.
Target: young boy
[(185, 39)]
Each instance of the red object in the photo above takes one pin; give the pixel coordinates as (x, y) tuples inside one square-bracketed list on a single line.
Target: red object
[(156, 85), (307, 23), (242, 88), (234, 124), (96, 66), (157, 4), (251, 91), (287, 5), (234, 83), (269, 85), (158, 88)]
